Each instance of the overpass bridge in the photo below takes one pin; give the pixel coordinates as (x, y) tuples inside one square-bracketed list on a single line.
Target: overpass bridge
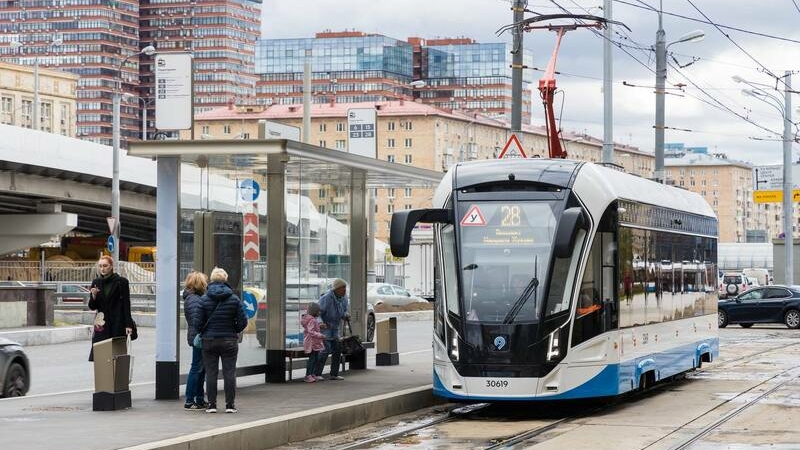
[(51, 184)]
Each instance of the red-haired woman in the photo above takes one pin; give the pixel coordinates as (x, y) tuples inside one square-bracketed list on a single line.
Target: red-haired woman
[(110, 296)]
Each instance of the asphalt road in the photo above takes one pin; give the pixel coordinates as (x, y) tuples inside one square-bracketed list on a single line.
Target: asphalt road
[(65, 367)]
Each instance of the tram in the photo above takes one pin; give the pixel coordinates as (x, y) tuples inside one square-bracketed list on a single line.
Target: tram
[(559, 279)]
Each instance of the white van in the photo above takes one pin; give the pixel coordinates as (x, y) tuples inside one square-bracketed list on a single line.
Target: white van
[(762, 275)]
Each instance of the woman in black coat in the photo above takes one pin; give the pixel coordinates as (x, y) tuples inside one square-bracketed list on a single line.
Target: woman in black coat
[(221, 318), (110, 296)]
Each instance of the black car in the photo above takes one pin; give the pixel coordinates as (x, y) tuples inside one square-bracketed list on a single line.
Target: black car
[(14, 369), (765, 304)]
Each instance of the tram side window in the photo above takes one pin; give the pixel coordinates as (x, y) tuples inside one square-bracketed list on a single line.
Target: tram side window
[(588, 311), (450, 281)]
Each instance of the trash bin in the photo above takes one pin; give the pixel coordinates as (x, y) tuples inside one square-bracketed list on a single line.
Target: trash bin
[(386, 347), (111, 371)]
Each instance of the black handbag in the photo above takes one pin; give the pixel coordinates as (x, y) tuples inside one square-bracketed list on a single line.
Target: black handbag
[(134, 331), (350, 345)]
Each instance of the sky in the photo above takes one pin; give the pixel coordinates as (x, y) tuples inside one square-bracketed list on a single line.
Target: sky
[(748, 39)]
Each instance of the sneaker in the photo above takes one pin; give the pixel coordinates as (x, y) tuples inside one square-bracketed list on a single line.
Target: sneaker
[(319, 378), (230, 409), (337, 377), (310, 379), (202, 405), (193, 407), (212, 408)]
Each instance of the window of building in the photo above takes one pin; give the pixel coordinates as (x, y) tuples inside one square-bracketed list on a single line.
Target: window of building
[(390, 158), (341, 144), (390, 143), (323, 127), (339, 126), (322, 192), (204, 129), (7, 107), (390, 126), (226, 129), (407, 192), (407, 159), (408, 142), (407, 206), (321, 209), (323, 143), (390, 208), (390, 192), (26, 119)]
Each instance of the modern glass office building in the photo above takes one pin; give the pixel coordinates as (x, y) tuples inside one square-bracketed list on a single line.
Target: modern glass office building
[(463, 74), (352, 67), (347, 67)]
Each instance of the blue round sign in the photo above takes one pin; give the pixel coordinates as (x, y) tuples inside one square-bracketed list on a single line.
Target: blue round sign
[(250, 304), (111, 243), (249, 190)]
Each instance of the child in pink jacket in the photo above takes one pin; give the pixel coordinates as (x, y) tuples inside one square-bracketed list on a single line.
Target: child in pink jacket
[(312, 342)]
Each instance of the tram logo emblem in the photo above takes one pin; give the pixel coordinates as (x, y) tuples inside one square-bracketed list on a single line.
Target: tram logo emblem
[(473, 217), (499, 342)]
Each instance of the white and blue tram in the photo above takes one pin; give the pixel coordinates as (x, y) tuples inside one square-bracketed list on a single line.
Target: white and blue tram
[(560, 279)]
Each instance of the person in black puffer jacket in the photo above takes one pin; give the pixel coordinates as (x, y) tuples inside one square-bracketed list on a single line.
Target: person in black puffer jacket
[(195, 285), (220, 321)]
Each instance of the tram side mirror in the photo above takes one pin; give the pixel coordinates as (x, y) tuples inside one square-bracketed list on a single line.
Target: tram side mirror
[(403, 222), (571, 221)]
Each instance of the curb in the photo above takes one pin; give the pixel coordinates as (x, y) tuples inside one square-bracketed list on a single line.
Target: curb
[(269, 433), (50, 335)]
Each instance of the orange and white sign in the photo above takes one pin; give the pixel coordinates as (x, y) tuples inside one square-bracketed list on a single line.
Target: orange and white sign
[(512, 149), (250, 238), (473, 217)]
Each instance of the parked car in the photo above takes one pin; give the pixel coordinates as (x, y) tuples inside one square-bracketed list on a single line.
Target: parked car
[(14, 369), (391, 294), (733, 284), (765, 304)]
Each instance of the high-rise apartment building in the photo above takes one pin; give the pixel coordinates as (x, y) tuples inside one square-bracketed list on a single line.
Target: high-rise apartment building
[(100, 40), (353, 67)]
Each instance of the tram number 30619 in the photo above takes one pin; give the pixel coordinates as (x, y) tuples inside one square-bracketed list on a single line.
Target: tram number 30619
[(496, 383)]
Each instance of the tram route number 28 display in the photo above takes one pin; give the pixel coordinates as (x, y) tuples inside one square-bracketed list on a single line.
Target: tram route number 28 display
[(496, 383)]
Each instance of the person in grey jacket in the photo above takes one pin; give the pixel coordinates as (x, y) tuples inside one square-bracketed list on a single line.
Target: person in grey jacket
[(195, 285), (335, 307), (220, 321)]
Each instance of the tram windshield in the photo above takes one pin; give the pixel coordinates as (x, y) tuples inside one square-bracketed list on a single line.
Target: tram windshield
[(505, 258)]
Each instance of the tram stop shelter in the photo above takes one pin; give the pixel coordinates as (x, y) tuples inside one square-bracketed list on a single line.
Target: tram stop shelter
[(309, 205)]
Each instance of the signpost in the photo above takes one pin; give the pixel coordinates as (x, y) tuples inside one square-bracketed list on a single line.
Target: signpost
[(361, 123), (768, 184), (174, 91)]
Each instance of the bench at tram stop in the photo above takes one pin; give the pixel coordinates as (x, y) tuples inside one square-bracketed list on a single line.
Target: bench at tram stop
[(298, 359)]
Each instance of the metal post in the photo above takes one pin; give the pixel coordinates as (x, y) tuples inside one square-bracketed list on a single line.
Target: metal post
[(307, 102), (516, 67), (36, 106), (608, 99), (115, 172), (661, 79), (788, 203), (144, 119)]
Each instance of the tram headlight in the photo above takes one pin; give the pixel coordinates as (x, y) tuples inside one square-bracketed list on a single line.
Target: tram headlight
[(452, 347), (552, 345)]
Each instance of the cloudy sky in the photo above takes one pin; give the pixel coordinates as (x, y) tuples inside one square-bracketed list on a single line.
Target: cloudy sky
[(745, 38)]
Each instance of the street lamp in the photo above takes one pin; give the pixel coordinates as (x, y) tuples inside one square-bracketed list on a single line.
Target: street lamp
[(149, 50), (146, 102), (784, 108), (36, 105), (661, 79)]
